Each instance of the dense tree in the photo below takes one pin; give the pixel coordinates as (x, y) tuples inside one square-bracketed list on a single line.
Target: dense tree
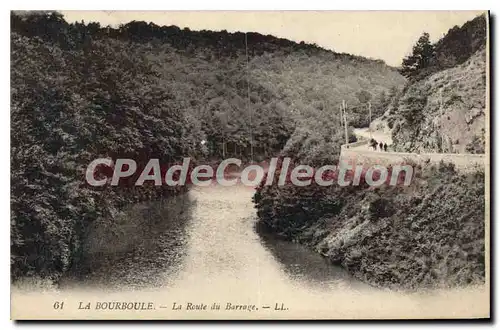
[(453, 49), (383, 236), (419, 59), (141, 91), (364, 96), (438, 222)]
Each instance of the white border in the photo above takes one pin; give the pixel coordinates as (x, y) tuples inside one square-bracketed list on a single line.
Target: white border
[(192, 5)]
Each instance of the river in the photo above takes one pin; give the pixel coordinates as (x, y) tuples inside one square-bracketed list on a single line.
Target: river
[(218, 257), (217, 247), (224, 250)]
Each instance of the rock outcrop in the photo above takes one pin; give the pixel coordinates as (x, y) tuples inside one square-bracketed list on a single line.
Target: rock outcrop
[(445, 112)]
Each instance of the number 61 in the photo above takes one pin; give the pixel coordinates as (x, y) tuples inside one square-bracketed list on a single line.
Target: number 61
[(58, 305)]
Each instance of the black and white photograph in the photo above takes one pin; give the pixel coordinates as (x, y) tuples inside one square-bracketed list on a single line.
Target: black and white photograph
[(249, 165)]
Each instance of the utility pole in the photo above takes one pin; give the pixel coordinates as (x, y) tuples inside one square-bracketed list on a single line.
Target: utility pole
[(370, 114), (341, 116), (344, 106), (248, 99), (441, 101)]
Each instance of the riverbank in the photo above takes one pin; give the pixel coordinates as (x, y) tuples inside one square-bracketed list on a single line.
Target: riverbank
[(224, 259), (427, 235)]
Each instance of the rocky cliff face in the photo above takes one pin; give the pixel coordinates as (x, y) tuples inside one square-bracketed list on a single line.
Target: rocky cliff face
[(443, 113)]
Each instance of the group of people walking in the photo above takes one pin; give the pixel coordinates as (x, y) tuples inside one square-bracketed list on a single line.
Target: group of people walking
[(374, 143)]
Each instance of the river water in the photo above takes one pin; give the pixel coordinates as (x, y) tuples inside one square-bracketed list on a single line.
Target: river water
[(224, 251), (218, 257)]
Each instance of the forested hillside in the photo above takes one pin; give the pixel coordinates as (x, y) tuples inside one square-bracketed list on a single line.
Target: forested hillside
[(82, 91), (430, 234)]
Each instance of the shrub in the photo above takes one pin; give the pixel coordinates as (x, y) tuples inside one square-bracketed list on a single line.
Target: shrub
[(429, 234), (476, 146)]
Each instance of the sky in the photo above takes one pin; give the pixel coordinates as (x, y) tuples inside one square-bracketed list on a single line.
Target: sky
[(386, 35)]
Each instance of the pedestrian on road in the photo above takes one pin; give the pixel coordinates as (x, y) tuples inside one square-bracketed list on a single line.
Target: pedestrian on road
[(385, 146), (381, 146), (373, 143)]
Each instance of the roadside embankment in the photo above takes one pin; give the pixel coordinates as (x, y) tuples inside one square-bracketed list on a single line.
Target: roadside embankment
[(428, 234), (360, 153)]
